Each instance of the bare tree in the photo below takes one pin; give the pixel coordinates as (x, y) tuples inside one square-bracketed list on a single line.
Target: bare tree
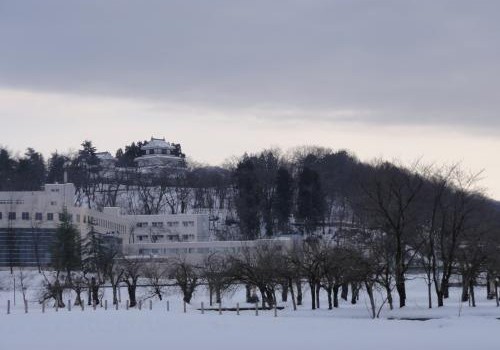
[(186, 276), (217, 274), (132, 270), (156, 273)]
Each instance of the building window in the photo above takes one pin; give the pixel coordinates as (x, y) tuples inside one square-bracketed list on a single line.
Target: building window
[(53, 203), (25, 216), (38, 216), (50, 216), (12, 216), (0, 215), (157, 224)]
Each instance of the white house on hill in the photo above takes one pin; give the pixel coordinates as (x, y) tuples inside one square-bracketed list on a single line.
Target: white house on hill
[(158, 154)]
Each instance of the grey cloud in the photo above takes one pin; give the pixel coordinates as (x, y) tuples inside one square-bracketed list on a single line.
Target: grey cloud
[(403, 61)]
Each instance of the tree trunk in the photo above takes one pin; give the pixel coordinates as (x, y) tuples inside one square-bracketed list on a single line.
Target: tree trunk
[(290, 282), (115, 294), (389, 297), (284, 292), (355, 292), (312, 285), (299, 292), (401, 288), (131, 294), (336, 296), (445, 288), (496, 292), (218, 295), (329, 291), (318, 289), (429, 293), (489, 291), (78, 299), (472, 294), (248, 294), (465, 289), (440, 298), (369, 291), (345, 291)]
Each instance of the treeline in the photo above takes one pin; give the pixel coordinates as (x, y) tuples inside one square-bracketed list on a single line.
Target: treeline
[(434, 218), (271, 271)]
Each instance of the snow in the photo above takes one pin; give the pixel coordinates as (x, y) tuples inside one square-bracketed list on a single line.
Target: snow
[(348, 327)]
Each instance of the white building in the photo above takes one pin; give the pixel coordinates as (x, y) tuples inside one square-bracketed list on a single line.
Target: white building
[(28, 221), (159, 154)]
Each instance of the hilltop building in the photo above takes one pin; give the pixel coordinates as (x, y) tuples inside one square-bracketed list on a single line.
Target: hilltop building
[(160, 154)]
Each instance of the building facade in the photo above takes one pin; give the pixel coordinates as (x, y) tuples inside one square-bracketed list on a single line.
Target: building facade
[(159, 154), (29, 220)]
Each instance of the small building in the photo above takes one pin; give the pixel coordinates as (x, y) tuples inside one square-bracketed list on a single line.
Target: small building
[(159, 154), (106, 160)]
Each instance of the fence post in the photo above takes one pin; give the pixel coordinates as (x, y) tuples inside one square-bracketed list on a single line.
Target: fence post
[(202, 308), (128, 304), (140, 305), (106, 304), (257, 309), (26, 306), (220, 308), (185, 309), (82, 304), (275, 311), (43, 307), (238, 309), (168, 306), (8, 307), (116, 306), (150, 305), (94, 305), (57, 305), (69, 305)]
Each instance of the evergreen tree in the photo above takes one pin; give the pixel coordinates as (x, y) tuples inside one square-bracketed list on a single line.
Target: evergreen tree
[(283, 202), (310, 200), (66, 247), (30, 171), (248, 199), (126, 158), (7, 170), (56, 168)]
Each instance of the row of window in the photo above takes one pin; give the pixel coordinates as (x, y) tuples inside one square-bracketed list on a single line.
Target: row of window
[(27, 216), (11, 201), (158, 151), (169, 224), (174, 238), (166, 251)]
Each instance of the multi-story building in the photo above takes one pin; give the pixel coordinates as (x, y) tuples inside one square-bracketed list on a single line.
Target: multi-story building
[(28, 222)]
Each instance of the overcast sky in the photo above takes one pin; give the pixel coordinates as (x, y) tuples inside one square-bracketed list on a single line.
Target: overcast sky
[(397, 79)]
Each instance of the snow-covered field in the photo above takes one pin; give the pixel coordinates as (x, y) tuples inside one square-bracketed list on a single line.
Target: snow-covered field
[(349, 327)]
